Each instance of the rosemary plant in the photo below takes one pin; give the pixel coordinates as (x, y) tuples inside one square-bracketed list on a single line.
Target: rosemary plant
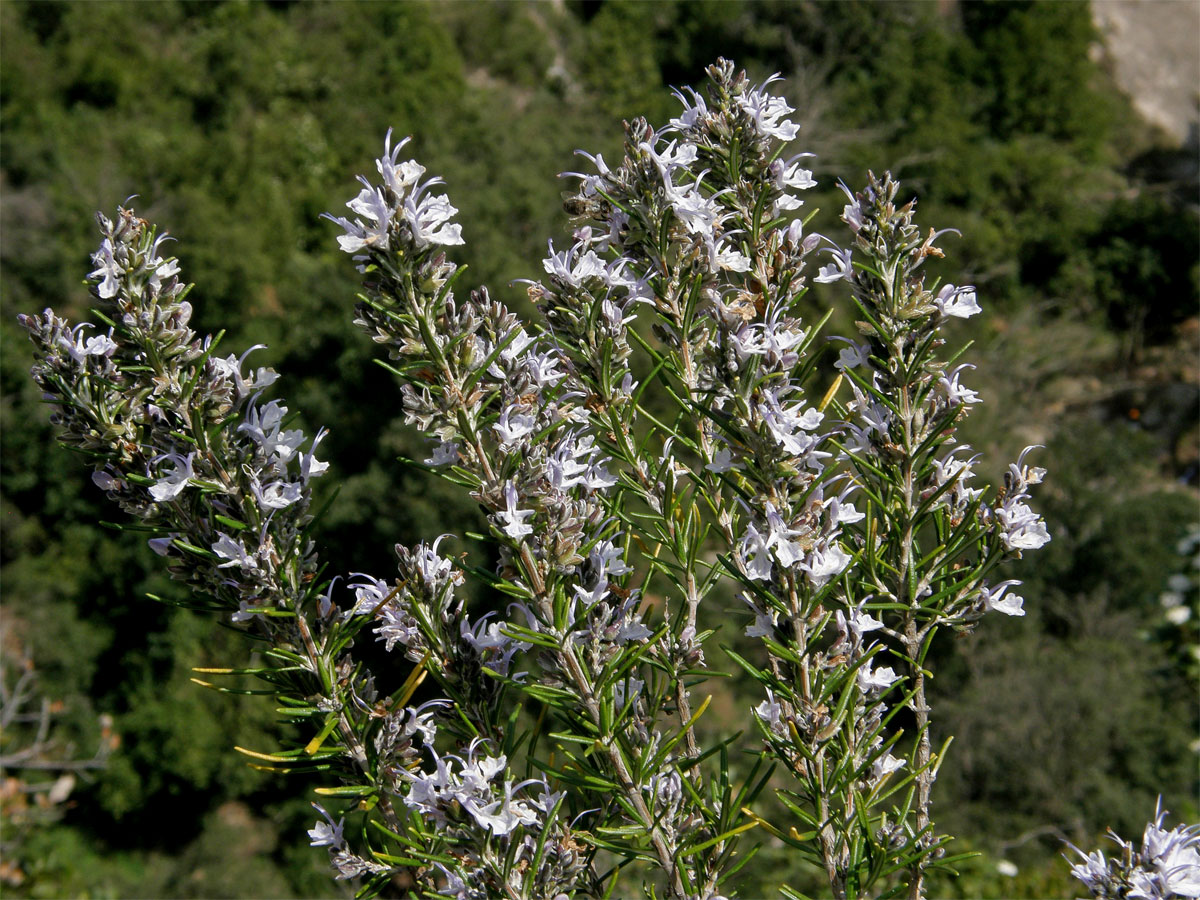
[(567, 752)]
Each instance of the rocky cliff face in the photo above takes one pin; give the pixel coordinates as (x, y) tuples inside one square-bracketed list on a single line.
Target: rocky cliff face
[(1154, 51)]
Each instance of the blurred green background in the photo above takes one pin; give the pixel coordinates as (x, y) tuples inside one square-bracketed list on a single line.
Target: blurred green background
[(237, 124)]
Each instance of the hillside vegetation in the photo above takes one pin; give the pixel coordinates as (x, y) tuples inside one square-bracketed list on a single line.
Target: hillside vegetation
[(238, 123)]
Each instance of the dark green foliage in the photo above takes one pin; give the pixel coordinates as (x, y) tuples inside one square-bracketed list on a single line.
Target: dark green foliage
[(239, 123)]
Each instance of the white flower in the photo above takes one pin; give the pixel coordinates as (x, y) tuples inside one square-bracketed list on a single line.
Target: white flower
[(608, 559), (445, 453), (431, 790), (765, 622), (852, 213), (163, 269), (542, 368), (630, 627), (787, 552), (108, 270), (368, 593), (232, 552), (277, 494), (231, 368), (484, 637), (1174, 857), (699, 214), (1093, 870), (950, 468), (515, 343), (372, 206), (854, 356), (80, 348), (395, 626), (838, 269), (593, 595), (793, 175), (567, 465), (994, 598), (397, 176), (504, 815), (598, 478), (513, 519), (244, 613), (571, 268), (434, 569), (263, 425), (957, 302), (722, 461), (955, 393), (767, 112), (671, 157), (694, 109), (857, 623), (881, 679), (636, 287), (787, 424), (843, 513), (1022, 528), (171, 486), (327, 833), (756, 551), (886, 765), (721, 256), (825, 564), (771, 713), (310, 466), (592, 183), (429, 218), (512, 427)]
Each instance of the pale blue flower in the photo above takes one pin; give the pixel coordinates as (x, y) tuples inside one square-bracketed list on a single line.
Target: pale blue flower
[(444, 453), (872, 681), (955, 393), (885, 765), (957, 302), (232, 552), (823, 564), (836, 270), (574, 266), (80, 348), (327, 833), (108, 270), (1022, 528), (996, 598), (694, 110), (512, 518), (397, 176), (276, 494), (171, 485), (767, 112), (513, 427), (429, 218)]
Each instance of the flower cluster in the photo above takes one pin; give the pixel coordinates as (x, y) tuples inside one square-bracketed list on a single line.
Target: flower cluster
[(846, 523), (228, 506), (508, 417), (1166, 865)]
